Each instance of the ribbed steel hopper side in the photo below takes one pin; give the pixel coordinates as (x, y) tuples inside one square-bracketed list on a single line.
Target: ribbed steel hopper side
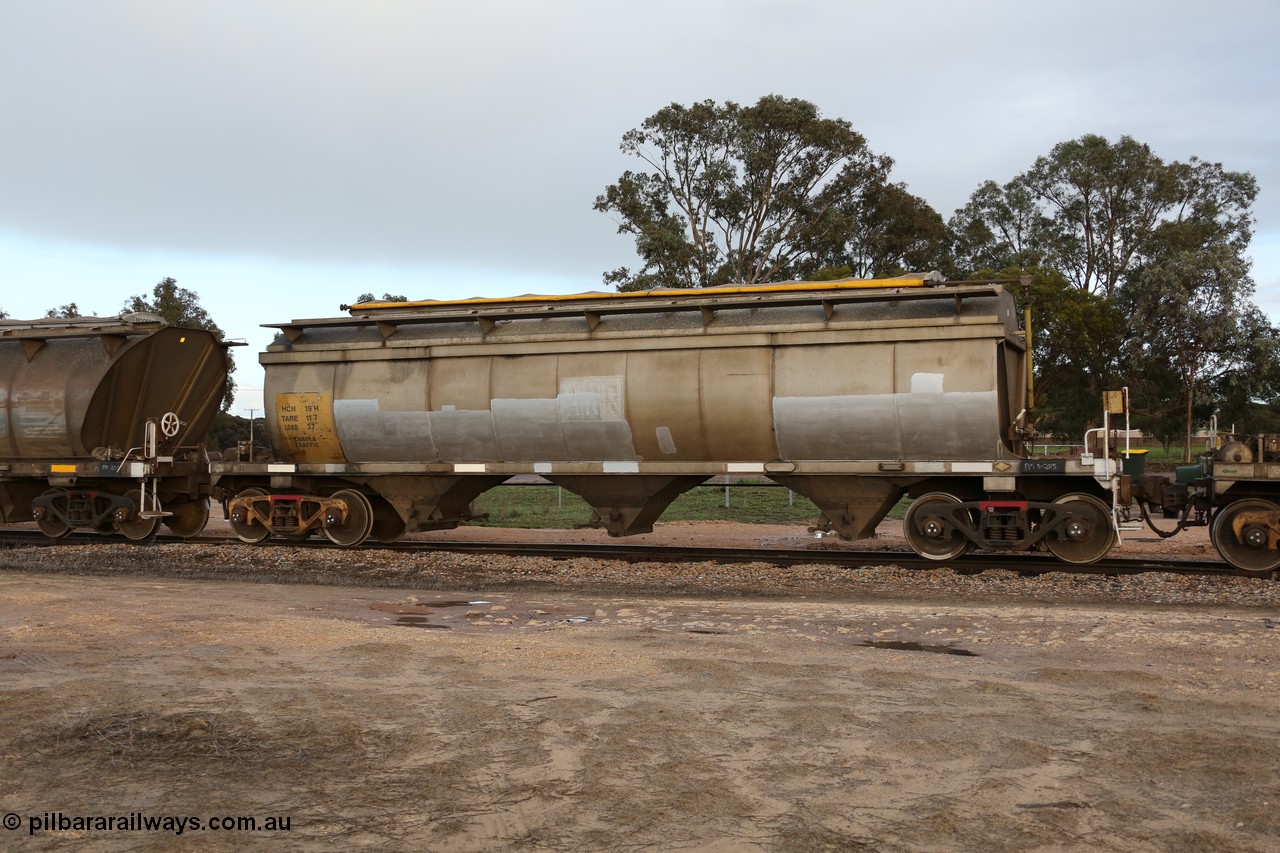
[(177, 370), (84, 387)]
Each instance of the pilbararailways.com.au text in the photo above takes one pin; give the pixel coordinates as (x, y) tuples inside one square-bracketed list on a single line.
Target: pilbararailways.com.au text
[(140, 822)]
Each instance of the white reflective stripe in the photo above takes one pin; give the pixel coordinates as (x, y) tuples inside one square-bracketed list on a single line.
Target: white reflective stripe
[(622, 467), (137, 469), (470, 468), (281, 469), (745, 467), (929, 467), (971, 468), (542, 467)]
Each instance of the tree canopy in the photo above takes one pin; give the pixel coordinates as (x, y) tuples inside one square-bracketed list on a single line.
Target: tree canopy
[(1153, 256), (760, 193), (386, 297), (65, 312)]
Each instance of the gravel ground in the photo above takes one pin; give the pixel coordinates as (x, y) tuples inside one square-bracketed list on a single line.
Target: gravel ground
[(444, 571), (603, 705)]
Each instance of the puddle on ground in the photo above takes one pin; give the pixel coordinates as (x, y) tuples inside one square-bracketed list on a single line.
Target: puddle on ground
[(908, 646), (422, 606), (1061, 804), (420, 622)]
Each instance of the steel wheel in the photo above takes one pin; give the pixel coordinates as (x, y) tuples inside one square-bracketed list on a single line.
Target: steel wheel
[(359, 523), (189, 517), (51, 526), (249, 530), (930, 527), (1088, 535), (1246, 550), (136, 527)]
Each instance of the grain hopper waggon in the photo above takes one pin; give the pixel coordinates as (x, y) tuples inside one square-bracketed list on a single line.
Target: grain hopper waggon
[(851, 393), (101, 420)]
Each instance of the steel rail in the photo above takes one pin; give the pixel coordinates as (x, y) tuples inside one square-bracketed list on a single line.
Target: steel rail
[(1021, 562)]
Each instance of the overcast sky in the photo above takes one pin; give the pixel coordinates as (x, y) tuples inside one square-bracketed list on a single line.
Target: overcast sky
[(280, 157)]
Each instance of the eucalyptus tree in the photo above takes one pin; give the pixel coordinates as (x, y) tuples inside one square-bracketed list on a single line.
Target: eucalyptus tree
[(66, 312), (755, 194), (1092, 209), (1191, 302), (386, 297), (883, 231), (1149, 249)]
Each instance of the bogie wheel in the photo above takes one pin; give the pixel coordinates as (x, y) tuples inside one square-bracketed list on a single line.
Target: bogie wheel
[(54, 528), (189, 517), (248, 529), (930, 528), (1246, 550), (359, 523), (1089, 534), (136, 527)]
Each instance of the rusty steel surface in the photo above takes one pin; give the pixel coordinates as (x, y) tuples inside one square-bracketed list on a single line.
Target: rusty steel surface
[(74, 389), (922, 373)]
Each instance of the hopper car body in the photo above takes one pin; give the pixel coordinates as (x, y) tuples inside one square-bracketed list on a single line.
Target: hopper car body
[(850, 393), (101, 420)]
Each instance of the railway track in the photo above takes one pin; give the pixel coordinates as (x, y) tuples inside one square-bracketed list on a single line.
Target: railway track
[(1020, 562)]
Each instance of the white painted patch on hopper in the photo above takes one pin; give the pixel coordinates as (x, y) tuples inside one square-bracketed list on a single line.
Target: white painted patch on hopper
[(666, 443), (927, 423), (926, 383), (574, 426), (607, 391)]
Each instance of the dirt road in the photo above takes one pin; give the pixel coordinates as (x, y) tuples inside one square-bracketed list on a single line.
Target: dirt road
[(412, 719)]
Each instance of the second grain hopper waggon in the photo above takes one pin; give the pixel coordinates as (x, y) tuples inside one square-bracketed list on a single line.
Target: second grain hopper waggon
[(852, 393), (101, 420)]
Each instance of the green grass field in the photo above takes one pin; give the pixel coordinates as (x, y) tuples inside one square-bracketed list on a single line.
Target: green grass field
[(552, 507)]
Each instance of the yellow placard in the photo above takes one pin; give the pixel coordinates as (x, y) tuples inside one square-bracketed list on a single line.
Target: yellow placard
[(306, 426), (1113, 402)]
